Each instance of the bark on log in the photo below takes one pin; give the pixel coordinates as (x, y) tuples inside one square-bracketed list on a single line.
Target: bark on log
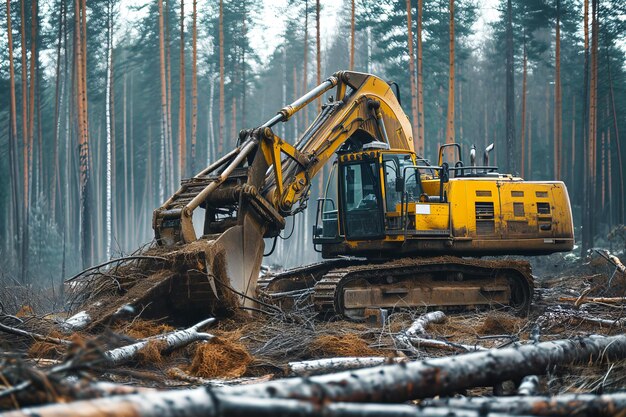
[(204, 402), (579, 405), (321, 366), (529, 386), (441, 376), (403, 339), (32, 335), (170, 341), (419, 342), (77, 322)]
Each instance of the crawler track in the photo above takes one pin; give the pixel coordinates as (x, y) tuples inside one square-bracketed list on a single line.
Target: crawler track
[(352, 287)]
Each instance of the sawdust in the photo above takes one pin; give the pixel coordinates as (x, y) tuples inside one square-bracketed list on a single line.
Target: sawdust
[(222, 357), (349, 344)]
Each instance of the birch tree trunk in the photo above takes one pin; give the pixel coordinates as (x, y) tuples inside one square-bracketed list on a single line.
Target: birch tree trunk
[(109, 128)]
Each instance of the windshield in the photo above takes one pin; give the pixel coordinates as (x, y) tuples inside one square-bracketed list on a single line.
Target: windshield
[(396, 166)]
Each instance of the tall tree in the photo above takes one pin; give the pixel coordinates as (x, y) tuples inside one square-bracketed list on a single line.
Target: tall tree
[(510, 93), (83, 130), (13, 127), (163, 177), (352, 21), (318, 46), (450, 136), (182, 120), (194, 88), (420, 82), (414, 118), (221, 64), (558, 113), (109, 129)]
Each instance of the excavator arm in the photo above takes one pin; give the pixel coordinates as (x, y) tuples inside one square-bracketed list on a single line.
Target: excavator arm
[(247, 193)]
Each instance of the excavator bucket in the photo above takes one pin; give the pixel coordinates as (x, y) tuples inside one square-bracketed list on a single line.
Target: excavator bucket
[(211, 276)]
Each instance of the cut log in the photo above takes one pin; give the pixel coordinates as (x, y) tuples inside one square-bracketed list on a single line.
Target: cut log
[(204, 402), (442, 376), (606, 300), (170, 341), (579, 405), (328, 365)]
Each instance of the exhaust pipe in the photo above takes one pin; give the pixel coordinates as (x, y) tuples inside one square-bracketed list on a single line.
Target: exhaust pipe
[(473, 158), (486, 155)]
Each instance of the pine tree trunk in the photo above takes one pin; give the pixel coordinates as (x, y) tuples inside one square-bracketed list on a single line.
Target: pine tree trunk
[(306, 58), (194, 90), (170, 137), (414, 117), (220, 145), (182, 119), (83, 143), (585, 147), (318, 46), (163, 165), (523, 124), (25, 152), (510, 94), (591, 186), (622, 196), (13, 131), (420, 84), (352, 21), (54, 178), (530, 143), (450, 133), (557, 97)]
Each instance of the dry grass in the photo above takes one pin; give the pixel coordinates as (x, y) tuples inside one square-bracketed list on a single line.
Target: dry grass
[(223, 357), (151, 353), (349, 344), (139, 329)]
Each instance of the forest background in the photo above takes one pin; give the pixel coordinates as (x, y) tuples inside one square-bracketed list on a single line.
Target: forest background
[(106, 106)]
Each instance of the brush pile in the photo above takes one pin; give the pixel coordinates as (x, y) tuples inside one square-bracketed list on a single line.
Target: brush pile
[(568, 357)]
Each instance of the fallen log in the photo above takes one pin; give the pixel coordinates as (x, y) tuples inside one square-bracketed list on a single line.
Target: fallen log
[(33, 335), (441, 376), (388, 383), (605, 300), (418, 327), (579, 405), (77, 322), (203, 402), (612, 259), (529, 386), (169, 341), (320, 366), (419, 342)]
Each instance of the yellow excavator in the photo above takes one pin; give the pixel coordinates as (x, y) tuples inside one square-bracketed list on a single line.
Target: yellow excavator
[(395, 229)]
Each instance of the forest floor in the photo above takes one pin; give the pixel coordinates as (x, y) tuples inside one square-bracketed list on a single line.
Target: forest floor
[(573, 297)]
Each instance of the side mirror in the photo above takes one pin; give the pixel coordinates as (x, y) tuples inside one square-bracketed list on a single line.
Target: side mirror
[(399, 185)]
